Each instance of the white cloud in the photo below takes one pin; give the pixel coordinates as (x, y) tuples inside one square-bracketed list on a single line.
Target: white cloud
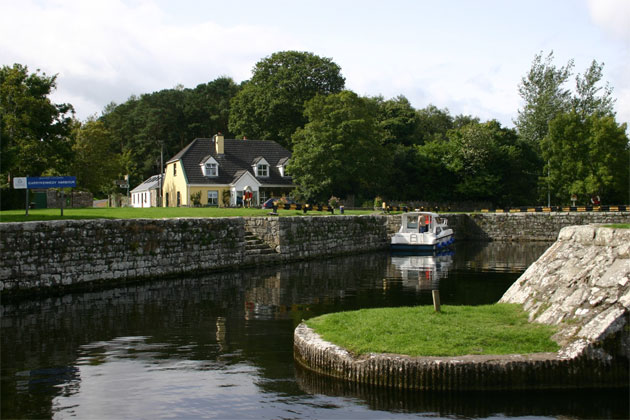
[(108, 50), (613, 16)]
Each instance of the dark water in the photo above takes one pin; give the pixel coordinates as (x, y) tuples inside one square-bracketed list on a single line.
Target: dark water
[(220, 346)]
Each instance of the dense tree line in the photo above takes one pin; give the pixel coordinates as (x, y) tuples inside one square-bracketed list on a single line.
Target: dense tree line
[(566, 141)]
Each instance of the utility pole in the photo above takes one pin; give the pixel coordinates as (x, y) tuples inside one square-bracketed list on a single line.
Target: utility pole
[(161, 170), (548, 184)]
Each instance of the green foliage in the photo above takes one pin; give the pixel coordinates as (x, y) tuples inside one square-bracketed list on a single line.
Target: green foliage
[(398, 121), (433, 124), (196, 198), (586, 157), (338, 152), (586, 101), (96, 161), (545, 97), (35, 132), (420, 331), (271, 105), (489, 163), (167, 120)]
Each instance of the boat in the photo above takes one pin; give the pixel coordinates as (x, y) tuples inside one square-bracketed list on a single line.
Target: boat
[(422, 231)]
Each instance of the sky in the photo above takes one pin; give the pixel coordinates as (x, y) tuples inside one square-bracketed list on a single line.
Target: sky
[(466, 56)]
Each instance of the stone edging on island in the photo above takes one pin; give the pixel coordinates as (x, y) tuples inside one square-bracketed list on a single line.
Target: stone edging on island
[(581, 284)]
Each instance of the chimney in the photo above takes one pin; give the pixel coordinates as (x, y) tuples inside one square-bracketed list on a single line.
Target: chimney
[(218, 144)]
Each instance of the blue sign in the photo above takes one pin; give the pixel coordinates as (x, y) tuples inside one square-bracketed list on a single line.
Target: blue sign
[(51, 182)]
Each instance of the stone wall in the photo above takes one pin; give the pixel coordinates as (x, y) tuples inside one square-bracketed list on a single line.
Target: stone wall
[(518, 226), (37, 255), (75, 199), (581, 285), (70, 252), (40, 255)]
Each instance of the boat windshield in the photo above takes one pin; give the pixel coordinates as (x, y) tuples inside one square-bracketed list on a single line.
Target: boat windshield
[(412, 222)]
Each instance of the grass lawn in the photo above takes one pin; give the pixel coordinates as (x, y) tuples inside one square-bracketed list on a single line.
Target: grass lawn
[(619, 226), (151, 213), (420, 331)]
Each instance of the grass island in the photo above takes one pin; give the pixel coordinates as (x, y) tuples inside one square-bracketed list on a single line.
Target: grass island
[(420, 331)]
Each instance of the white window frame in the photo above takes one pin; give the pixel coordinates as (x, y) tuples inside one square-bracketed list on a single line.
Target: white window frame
[(212, 169), (262, 170), (216, 197)]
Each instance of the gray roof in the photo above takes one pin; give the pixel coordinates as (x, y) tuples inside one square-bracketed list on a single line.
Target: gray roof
[(150, 184), (239, 156)]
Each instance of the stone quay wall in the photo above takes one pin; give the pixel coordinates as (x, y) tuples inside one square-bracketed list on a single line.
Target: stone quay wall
[(316, 236), (581, 285), (518, 226), (35, 256)]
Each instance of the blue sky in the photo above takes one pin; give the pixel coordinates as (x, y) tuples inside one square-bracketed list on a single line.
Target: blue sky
[(467, 56)]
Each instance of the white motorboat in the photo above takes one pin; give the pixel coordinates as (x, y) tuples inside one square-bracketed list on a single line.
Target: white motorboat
[(422, 232)]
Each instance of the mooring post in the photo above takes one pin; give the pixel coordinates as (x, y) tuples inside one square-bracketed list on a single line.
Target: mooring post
[(436, 300)]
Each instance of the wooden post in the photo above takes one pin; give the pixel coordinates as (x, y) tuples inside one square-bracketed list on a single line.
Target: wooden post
[(436, 300)]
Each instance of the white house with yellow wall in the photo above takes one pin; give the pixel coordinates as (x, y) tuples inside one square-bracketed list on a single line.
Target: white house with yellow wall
[(219, 172)]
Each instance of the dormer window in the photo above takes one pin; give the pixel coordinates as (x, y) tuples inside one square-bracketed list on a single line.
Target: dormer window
[(210, 167), (261, 167), (263, 170), (282, 166)]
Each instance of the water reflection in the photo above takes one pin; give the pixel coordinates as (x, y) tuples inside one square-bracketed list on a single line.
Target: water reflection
[(221, 345)]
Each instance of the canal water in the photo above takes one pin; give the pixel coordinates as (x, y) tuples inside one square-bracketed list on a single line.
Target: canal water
[(220, 346)]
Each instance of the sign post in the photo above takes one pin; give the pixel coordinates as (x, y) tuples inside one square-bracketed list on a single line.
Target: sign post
[(20, 184), (44, 182)]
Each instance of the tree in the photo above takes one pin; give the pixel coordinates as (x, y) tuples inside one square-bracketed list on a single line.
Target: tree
[(586, 157), (96, 160), (433, 123), (167, 120), (545, 97), (398, 120), (587, 101), (271, 105), (490, 164), (338, 152), (34, 132)]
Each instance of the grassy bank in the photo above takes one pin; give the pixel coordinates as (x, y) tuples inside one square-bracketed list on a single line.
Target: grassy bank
[(619, 226), (152, 213), (420, 331)]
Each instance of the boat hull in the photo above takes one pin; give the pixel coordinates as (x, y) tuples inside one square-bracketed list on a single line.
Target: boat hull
[(441, 243)]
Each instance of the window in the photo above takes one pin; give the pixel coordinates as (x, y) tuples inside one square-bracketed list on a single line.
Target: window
[(212, 169), (263, 196), (263, 170), (166, 200), (179, 199), (174, 169), (213, 198)]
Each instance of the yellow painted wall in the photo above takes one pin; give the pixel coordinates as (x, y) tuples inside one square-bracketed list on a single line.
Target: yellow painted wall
[(204, 194), (173, 184)]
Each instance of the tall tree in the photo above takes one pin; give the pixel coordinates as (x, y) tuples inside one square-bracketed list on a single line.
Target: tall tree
[(586, 157), (588, 99), (97, 162), (35, 133), (433, 123), (271, 104), (545, 97), (398, 120), (338, 152)]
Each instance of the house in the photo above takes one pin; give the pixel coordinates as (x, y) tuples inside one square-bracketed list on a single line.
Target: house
[(219, 172), (147, 194)]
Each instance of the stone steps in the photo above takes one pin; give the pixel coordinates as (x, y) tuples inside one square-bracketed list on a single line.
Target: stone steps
[(256, 246)]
